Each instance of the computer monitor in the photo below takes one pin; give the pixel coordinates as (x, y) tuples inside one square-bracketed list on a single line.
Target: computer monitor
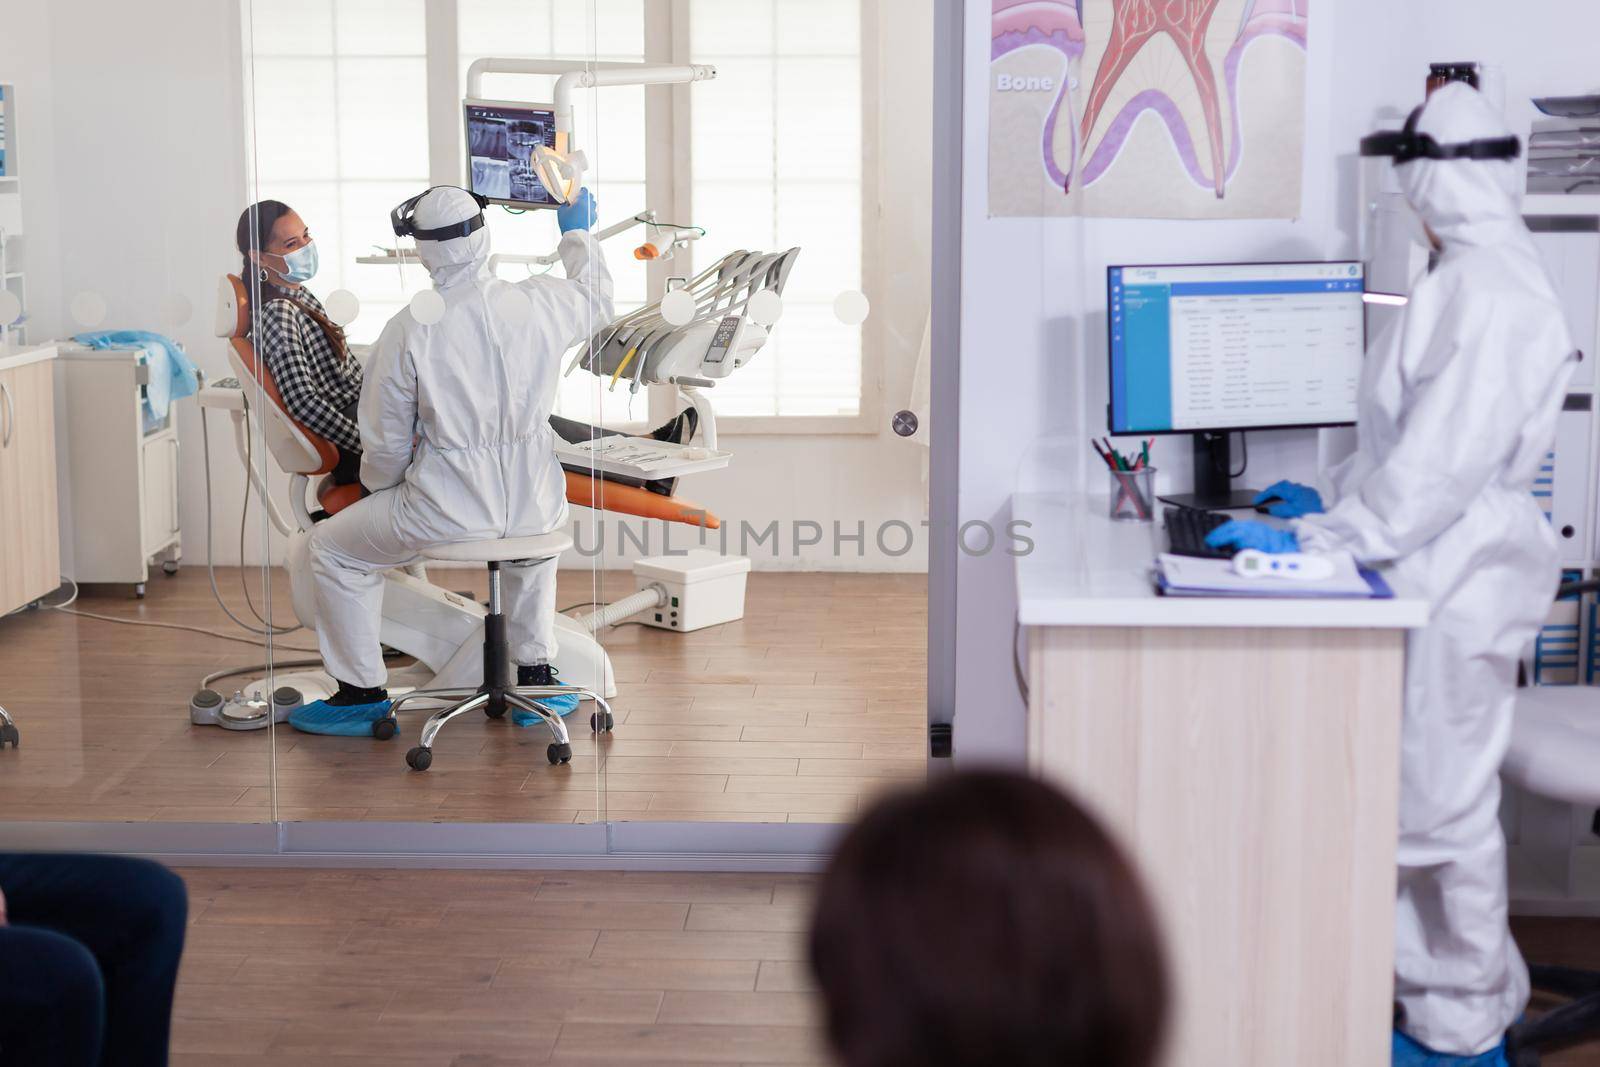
[(1208, 349), (501, 136)]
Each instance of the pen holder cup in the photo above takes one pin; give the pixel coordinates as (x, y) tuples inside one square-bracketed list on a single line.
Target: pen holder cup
[(1133, 495)]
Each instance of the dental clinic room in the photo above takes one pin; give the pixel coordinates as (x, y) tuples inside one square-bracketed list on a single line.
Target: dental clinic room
[(871, 533)]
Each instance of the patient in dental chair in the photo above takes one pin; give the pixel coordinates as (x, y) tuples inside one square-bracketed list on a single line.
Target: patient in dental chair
[(309, 359)]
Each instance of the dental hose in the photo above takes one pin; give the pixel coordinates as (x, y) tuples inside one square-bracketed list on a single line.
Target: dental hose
[(267, 630), (611, 614)]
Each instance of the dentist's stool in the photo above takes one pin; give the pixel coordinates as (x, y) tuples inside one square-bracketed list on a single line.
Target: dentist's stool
[(499, 691), (1555, 748)]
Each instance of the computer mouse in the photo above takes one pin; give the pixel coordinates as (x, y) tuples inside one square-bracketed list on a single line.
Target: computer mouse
[(1265, 506)]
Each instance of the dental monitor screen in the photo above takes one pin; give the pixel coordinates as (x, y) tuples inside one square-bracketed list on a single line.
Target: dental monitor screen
[(1234, 346), (500, 142)]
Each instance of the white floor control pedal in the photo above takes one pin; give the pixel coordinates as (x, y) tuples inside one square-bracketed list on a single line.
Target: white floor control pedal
[(242, 711)]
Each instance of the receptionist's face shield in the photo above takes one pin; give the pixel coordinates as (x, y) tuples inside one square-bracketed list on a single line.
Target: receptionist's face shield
[(1406, 145)]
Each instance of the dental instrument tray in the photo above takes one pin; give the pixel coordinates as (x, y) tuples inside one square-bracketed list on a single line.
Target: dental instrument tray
[(1569, 107), (641, 457), (716, 333)]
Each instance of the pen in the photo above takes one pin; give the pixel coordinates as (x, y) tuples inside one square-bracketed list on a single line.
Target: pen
[(1113, 466)]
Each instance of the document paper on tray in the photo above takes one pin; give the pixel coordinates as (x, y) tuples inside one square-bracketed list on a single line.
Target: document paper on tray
[(1189, 575)]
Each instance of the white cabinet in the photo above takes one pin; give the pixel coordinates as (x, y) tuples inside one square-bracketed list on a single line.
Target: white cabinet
[(159, 460), (1570, 246), (120, 475), (30, 563)]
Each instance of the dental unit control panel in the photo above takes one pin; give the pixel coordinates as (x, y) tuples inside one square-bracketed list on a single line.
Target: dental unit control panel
[(725, 340)]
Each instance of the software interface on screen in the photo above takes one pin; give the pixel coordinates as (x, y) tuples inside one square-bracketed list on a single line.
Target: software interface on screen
[(1233, 346), (500, 143)]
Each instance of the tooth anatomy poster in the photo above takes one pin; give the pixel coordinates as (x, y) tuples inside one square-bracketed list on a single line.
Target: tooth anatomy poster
[(1183, 109)]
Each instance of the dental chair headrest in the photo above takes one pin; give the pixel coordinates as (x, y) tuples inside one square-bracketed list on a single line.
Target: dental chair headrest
[(233, 307)]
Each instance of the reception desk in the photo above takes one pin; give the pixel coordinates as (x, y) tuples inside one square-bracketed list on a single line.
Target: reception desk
[(1246, 752)]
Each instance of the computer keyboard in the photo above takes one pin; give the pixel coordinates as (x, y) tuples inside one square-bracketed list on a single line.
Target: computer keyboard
[(1187, 529)]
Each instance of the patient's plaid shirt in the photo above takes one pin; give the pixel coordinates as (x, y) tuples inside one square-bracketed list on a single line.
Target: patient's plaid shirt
[(317, 379)]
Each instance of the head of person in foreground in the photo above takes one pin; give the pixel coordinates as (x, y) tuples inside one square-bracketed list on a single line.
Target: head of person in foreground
[(986, 919)]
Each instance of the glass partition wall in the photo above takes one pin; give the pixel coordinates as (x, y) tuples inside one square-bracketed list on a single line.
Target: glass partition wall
[(745, 588), (122, 559)]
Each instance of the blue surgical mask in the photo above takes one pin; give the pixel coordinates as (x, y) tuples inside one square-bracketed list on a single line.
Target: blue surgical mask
[(300, 265)]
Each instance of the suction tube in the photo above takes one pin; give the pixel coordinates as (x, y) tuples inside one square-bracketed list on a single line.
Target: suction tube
[(611, 614)]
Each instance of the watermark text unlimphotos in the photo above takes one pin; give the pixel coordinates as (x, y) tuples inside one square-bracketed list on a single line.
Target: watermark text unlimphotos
[(793, 538)]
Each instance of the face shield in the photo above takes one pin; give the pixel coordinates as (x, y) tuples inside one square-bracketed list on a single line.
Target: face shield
[(1453, 160), (404, 219), (447, 223), (1406, 145)]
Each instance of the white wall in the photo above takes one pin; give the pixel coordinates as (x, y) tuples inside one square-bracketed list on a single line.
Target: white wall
[(25, 62), (130, 119)]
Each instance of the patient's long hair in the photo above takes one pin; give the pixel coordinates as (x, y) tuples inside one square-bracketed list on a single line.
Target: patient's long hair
[(254, 232)]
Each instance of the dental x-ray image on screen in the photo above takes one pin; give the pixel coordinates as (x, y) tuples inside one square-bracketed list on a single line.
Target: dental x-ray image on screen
[(500, 143)]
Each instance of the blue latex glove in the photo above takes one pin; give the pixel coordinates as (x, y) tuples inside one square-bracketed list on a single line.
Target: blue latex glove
[(1247, 533), (1294, 499), (579, 215)]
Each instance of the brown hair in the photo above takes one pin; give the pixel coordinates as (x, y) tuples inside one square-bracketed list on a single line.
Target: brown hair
[(254, 232), (986, 919)]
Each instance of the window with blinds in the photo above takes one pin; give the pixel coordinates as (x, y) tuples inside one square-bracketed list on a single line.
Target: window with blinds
[(776, 156), (339, 95), (773, 148)]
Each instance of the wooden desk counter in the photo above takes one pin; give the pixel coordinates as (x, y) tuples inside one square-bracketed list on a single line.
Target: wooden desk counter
[(1246, 752)]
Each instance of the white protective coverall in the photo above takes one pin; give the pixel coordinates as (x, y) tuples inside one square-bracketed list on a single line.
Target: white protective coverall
[(1458, 406), (455, 437)]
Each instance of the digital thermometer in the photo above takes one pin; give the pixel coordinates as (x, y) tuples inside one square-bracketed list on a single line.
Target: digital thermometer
[(1300, 566)]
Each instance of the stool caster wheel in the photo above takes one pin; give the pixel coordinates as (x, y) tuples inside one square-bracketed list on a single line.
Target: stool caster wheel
[(9, 736), (419, 758), (169, 567), (384, 729), (601, 727), (494, 712), (558, 753)]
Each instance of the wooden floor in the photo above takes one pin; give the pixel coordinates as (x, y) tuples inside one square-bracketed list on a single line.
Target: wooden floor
[(500, 968), (1566, 943), (813, 701), (493, 969)]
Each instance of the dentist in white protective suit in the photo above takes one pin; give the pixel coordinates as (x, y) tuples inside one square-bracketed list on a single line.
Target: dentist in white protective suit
[(1458, 407), (456, 445)]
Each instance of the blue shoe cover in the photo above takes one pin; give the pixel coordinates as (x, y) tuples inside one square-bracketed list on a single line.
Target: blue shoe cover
[(562, 705), (1406, 1052), (352, 720)]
